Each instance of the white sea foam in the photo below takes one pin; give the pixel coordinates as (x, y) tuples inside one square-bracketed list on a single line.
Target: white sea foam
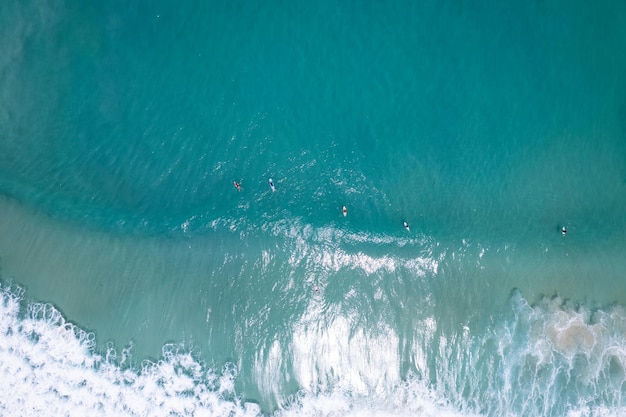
[(410, 398), (50, 367), (554, 358), (321, 248), (339, 354)]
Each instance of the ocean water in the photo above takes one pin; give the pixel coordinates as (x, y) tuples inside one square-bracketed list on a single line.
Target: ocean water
[(135, 279)]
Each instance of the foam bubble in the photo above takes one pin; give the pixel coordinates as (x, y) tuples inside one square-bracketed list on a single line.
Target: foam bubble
[(553, 358), (410, 398), (557, 358), (49, 368), (342, 355), (322, 250)]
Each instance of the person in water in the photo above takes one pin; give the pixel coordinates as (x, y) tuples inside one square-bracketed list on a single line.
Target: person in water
[(563, 231), (237, 186)]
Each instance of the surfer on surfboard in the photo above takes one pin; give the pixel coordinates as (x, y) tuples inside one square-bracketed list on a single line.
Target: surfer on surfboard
[(406, 226), (272, 185), (237, 186), (344, 210)]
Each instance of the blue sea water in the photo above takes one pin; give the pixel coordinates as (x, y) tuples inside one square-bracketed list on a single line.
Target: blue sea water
[(137, 280)]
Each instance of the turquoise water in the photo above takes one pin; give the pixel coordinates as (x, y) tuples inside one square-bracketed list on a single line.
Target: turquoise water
[(133, 268)]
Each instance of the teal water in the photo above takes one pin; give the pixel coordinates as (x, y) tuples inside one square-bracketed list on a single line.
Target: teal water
[(486, 127)]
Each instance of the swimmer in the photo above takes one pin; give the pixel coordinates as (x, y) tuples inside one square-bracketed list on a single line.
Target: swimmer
[(237, 186), (344, 210), (317, 290), (272, 185), (406, 226), (563, 231)]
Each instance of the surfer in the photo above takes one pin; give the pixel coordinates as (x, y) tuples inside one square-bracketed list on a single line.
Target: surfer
[(563, 231), (344, 210), (237, 186), (272, 185), (406, 226)]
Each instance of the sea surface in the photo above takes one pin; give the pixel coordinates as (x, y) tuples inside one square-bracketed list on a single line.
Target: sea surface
[(137, 280)]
